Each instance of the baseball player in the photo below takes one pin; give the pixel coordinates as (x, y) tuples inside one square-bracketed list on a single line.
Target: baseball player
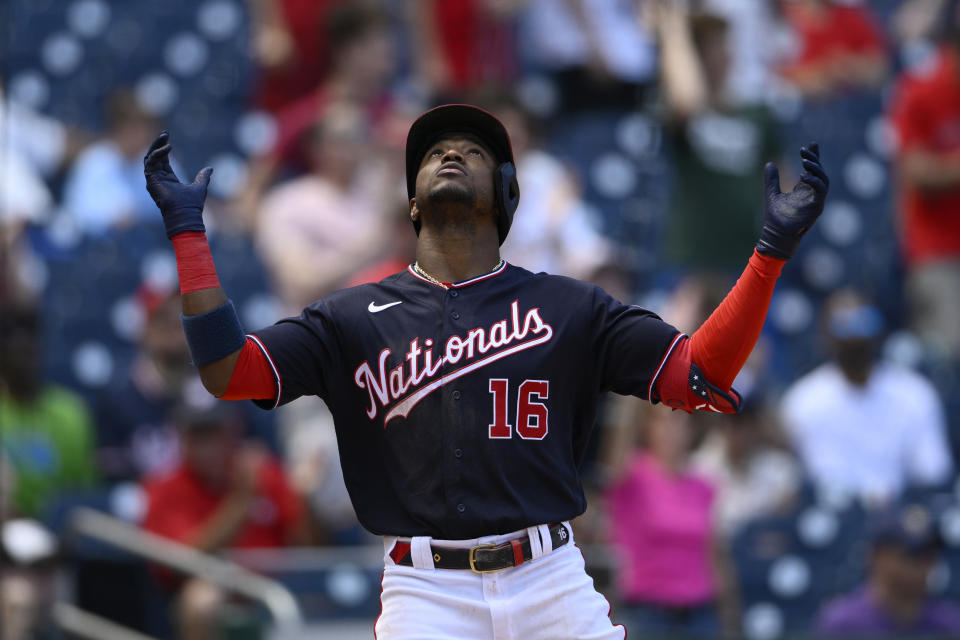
[(464, 388)]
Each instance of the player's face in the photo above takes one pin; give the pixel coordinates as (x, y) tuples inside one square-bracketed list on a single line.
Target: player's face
[(457, 169)]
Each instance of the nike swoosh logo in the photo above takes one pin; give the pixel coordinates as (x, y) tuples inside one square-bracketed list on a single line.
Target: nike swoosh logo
[(376, 308)]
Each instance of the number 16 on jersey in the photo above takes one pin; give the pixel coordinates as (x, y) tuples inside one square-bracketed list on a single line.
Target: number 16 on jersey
[(531, 412)]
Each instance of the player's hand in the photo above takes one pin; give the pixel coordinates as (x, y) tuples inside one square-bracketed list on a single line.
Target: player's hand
[(787, 216), (180, 204)]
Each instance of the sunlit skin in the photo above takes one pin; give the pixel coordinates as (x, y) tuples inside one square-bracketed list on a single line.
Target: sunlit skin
[(454, 202)]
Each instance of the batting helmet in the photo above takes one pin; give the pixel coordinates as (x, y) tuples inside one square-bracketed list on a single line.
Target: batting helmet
[(465, 118)]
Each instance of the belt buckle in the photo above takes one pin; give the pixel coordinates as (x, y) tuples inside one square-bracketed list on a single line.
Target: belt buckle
[(472, 558)]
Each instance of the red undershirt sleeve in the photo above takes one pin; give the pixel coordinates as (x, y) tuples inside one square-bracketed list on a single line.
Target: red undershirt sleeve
[(253, 378), (720, 347)]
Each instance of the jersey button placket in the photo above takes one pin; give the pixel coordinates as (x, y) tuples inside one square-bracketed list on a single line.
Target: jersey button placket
[(453, 418)]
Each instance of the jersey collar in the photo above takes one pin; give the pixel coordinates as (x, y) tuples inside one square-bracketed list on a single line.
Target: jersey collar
[(463, 283)]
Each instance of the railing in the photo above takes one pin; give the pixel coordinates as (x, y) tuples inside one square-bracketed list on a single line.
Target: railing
[(84, 624), (226, 575)]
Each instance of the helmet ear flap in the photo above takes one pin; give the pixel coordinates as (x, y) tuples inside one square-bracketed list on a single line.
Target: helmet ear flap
[(507, 193)]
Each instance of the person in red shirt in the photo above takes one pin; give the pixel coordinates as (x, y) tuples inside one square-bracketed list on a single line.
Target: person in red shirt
[(360, 64), (838, 46), (926, 116), (289, 45), (459, 47), (226, 493)]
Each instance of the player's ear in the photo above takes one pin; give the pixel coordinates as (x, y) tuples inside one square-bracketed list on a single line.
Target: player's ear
[(414, 211)]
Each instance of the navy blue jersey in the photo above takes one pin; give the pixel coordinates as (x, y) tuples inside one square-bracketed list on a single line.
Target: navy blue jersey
[(464, 412)]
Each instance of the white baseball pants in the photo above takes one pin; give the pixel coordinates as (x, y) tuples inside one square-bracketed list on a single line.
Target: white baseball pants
[(550, 597)]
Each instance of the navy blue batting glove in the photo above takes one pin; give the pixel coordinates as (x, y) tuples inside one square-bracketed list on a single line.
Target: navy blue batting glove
[(180, 204), (787, 216)]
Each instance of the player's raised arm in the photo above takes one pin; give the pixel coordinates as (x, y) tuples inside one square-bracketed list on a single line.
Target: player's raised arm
[(700, 372), (210, 321)]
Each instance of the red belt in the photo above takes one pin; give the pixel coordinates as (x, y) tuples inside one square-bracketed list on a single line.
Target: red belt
[(483, 557)]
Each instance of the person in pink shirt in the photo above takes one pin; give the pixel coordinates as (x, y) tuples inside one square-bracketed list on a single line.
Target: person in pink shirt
[(660, 525)]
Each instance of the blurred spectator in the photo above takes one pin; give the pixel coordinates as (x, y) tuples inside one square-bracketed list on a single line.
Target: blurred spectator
[(926, 114), (289, 46), (44, 143), (918, 22), (225, 493), (45, 430), (860, 425), (105, 187), (316, 231), (32, 147), (362, 61), (553, 230), (755, 45), (839, 46), (398, 254), (24, 197), (719, 149), (598, 52), (8, 486), (749, 465), (659, 518), (24, 201), (459, 46), (134, 436), (313, 464), (28, 580), (45, 451), (895, 602)]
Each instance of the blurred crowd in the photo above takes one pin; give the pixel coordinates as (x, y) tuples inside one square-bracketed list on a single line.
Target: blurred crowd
[(830, 505)]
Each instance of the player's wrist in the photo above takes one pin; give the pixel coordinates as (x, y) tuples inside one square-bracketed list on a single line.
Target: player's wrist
[(213, 335), (766, 265), (776, 243), (177, 220)]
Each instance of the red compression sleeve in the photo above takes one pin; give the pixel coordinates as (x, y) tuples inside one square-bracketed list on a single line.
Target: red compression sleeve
[(252, 377), (194, 262), (722, 345)]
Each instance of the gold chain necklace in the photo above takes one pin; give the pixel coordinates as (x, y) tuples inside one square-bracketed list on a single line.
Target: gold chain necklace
[(419, 269)]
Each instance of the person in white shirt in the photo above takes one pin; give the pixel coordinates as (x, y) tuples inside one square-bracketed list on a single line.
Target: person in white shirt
[(554, 230), (747, 461), (316, 231), (860, 425)]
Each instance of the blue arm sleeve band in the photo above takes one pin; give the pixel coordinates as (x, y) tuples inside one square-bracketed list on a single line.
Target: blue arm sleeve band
[(213, 335)]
